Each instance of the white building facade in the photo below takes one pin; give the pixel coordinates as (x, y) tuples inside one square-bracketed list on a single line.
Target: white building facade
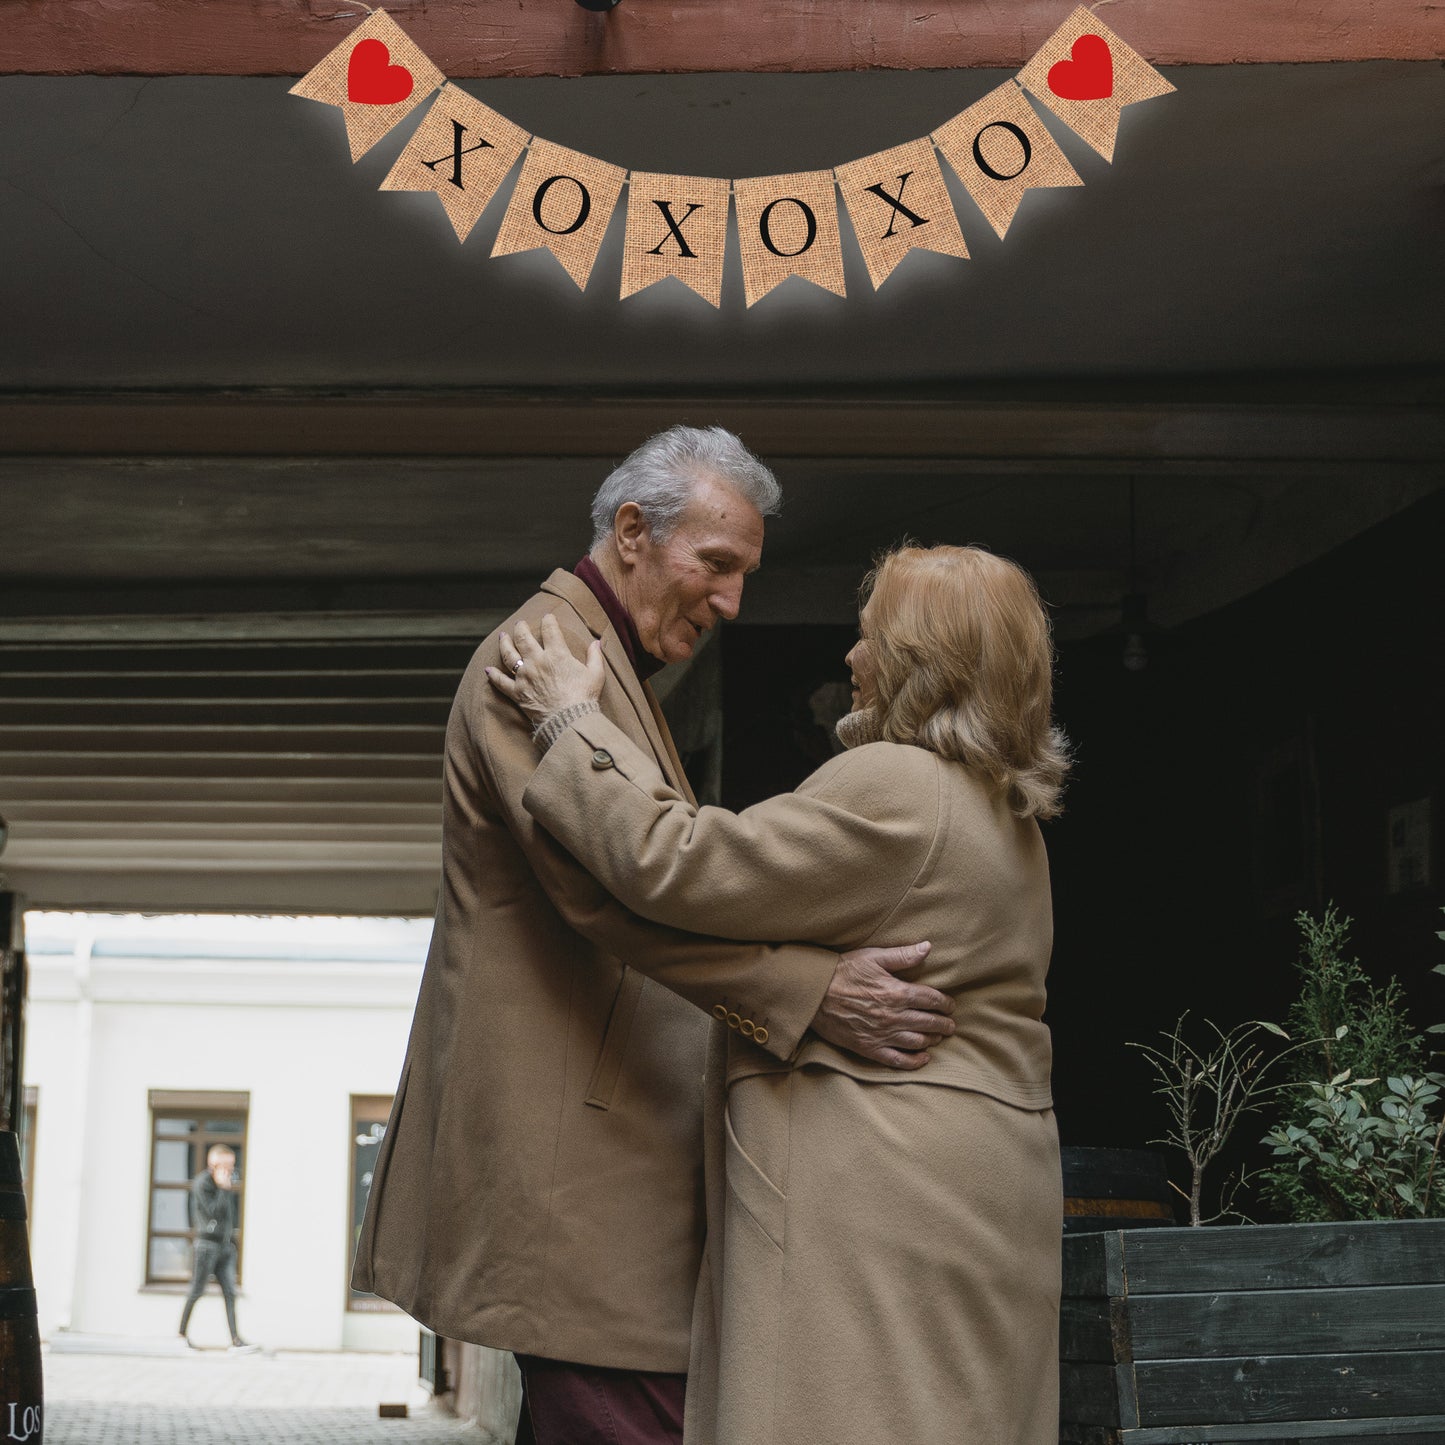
[(151, 1038)]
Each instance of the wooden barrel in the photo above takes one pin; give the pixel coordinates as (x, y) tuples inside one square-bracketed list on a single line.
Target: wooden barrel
[(1115, 1189), (20, 1383)]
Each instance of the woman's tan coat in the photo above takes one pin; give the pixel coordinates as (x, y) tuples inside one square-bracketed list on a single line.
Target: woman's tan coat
[(883, 1248)]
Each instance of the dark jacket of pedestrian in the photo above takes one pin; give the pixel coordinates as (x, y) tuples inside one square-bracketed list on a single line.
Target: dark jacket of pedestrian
[(213, 1210)]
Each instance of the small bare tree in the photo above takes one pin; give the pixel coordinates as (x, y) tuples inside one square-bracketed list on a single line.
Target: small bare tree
[(1206, 1092)]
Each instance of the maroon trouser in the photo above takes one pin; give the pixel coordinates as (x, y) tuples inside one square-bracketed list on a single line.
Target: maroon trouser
[(566, 1404)]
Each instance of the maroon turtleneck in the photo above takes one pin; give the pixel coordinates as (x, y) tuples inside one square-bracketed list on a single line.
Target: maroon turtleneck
[(644, 664)]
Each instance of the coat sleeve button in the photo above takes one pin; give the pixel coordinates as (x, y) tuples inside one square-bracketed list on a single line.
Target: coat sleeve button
[(746, 1028), (602, 759), (733, 1021), (760, 1035), (720, 1011)]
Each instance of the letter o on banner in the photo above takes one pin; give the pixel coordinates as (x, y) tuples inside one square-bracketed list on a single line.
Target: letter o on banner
[(1018, 134), (805, 213), (584, 205), (563, 200)]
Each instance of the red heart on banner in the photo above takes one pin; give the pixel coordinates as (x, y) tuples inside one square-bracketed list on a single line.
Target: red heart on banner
[(1088, 76), (371, 79)]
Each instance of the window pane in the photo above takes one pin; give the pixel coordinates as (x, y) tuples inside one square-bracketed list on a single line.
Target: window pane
[(225, 1126), (368, 1130), (168, 1209), (29, 1107), (173, 1161), (170, 1259), (176, 1126)]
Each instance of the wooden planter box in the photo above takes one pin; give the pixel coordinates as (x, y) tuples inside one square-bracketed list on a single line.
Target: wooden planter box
[(1281, 1332)]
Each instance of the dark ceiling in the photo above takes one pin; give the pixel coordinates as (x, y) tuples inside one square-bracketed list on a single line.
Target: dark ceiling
[(198, 232)]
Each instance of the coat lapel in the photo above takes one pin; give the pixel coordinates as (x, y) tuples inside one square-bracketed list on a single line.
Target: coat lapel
[(579, 596), (679, 777)]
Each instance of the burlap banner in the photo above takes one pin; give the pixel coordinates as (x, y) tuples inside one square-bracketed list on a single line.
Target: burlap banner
[(1000, 148), (463, 151), (376, 77), (897, 201), (1086, 75), (788, 226), (563, 201), (676, 226)]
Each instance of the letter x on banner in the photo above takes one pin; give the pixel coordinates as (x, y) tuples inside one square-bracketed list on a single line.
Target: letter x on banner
[(463, 150), (897, 200)]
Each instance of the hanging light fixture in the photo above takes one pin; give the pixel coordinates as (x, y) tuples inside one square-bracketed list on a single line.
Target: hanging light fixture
[(598, 4)]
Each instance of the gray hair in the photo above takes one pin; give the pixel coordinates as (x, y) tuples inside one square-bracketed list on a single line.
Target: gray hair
[(661, 474)]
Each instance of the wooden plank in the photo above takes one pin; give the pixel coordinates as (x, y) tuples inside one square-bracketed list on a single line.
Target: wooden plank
[(1116, 1214), (1290, 1387), (126, 855), (1306, 1322), (101, 714), (218, 740), (33, 838), (1114, 1174), (1398, 1430), (1095, 1331), (336, 684), (264, 628), (239, 807), (235, 763), (1096, 1394), (1093, 1264), (548, 37), (383, 890), (54, 793), (908, 426), (249, 656), (1287, 1256)]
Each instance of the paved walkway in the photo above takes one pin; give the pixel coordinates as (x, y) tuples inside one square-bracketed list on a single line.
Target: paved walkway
[(212, 1398)]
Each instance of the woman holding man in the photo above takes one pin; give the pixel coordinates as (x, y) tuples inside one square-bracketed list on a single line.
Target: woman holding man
[(883, 1246)]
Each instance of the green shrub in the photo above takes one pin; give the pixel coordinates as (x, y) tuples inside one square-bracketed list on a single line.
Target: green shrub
[(1362, 1135)]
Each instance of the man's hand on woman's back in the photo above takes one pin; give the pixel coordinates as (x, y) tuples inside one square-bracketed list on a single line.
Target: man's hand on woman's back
[(871, 1013)]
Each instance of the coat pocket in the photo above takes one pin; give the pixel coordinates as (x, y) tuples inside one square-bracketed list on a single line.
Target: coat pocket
[(603, 1083), (753, 1190), (750, 1339)]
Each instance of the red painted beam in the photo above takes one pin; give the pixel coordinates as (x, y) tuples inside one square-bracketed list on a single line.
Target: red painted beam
[(470, 38)]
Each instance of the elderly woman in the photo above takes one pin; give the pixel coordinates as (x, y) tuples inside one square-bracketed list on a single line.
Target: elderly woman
[(883, 1246)]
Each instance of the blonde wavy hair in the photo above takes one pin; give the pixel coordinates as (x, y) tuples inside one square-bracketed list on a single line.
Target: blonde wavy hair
[(964, 665)]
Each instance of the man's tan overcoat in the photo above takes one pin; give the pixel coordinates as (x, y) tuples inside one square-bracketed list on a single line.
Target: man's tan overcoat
[(539, 1188), (883, 1248)]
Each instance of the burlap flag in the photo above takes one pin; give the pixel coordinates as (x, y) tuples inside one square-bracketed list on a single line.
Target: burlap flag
[(897, 200), (1000, 148), (376, 76), (788, 226), (563, 201), (463, 151), (676, 226), (1086, 75)]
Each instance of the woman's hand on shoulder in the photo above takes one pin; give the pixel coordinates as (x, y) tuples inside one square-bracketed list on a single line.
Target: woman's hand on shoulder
[(542, 677)]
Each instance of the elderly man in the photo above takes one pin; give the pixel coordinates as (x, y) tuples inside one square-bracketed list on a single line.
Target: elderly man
[(539, 1188)]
